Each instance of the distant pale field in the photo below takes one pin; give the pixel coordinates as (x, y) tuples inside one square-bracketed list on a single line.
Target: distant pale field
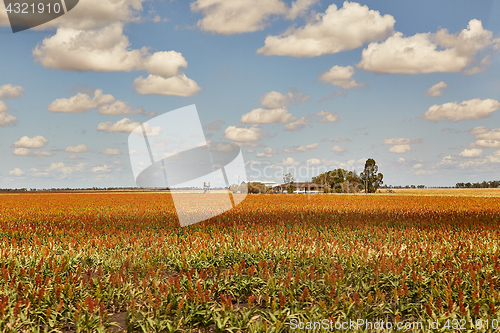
[(466, 192)]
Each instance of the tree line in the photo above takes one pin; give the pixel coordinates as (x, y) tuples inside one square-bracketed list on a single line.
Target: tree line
[(484, 184)]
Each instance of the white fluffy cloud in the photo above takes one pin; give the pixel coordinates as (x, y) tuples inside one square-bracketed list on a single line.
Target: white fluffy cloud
[(105, 103), (179, 85), (164, 64), (400, 145), (472, 109), (487, 143), (479, 130), (267, 116), (61, 168), (77, 149), (301, 149), (9, 91), (276, 100), (21, 152), (3, 107), (122, 126), (289, 162), (340, 76), (296, 125), (81, 102), (313, 161), (396, 141), (488, 134), (42, 153), (268, 152), (486, 137), (474, 152), (474, 160), (34, 143), (236, 16), (16, 172), (437, 89), (276, 112), (104, 50), (101, 169), (334, 31), (243, 134), (5, 118), (488, 162), (300, 8), (327, 117), (337, 149), (27, 152), (447, 161), (400, 149), (119, 108), (111, 151), (126, 125), (428, 52), (101, 50), (107, 49)]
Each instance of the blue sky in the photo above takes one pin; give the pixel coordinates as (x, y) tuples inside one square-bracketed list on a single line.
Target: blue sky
[(302, 86)]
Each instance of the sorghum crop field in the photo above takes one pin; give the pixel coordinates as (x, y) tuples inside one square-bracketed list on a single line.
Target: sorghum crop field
[(82, 261)]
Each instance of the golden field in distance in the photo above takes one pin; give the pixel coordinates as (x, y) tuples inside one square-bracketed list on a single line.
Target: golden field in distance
[(461, 192)]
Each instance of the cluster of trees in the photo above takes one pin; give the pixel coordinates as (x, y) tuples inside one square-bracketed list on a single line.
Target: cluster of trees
[(484, 184), (343, 181), (339, 181), (13, 189)]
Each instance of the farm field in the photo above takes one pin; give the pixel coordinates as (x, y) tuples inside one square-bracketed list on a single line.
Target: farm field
[(113, 262), (478, 192)]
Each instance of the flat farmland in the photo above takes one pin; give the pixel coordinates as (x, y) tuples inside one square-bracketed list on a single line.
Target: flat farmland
[(119, 261), (454, 192)]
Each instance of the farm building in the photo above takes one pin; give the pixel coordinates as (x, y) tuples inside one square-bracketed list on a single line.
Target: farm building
[(300, 187)]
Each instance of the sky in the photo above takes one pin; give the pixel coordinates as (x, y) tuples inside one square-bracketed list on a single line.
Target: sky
[(300, 86)]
